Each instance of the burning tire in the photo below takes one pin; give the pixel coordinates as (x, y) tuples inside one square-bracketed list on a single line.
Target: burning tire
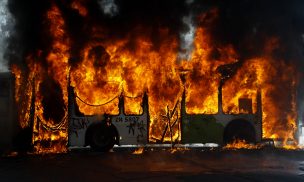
[(239, 130), (101, 137)]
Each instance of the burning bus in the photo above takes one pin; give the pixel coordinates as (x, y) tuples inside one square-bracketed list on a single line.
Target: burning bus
[(101, 132), (141, 53)]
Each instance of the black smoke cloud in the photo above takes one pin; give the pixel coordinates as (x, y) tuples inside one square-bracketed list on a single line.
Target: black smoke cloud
[(28, 32), (249, 24), (246, 24)]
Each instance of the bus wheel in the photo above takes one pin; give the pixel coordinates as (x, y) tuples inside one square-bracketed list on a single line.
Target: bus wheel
[(101, 138), (239, 130)]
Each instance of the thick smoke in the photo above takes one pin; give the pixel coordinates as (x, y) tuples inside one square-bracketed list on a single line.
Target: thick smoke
[(6, 23), (29, 31), (109, 7), (187, 37)]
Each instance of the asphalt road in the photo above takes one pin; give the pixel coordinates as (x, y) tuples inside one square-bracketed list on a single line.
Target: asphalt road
[(157, 165)]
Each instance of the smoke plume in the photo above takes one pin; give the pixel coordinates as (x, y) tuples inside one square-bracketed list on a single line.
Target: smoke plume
[(109, 7), (6, 23)]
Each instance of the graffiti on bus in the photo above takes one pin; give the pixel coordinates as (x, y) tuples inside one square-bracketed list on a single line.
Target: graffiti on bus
[(78, 124)]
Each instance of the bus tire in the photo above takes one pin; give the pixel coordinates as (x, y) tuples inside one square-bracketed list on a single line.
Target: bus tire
[(101, 137), (239, 129)]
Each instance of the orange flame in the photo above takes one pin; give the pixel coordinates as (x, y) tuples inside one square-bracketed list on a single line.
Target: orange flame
[(138, 151), (107, 68), (240, 144)]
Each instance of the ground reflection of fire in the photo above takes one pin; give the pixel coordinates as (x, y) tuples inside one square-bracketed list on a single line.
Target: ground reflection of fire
[(107, 67)]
